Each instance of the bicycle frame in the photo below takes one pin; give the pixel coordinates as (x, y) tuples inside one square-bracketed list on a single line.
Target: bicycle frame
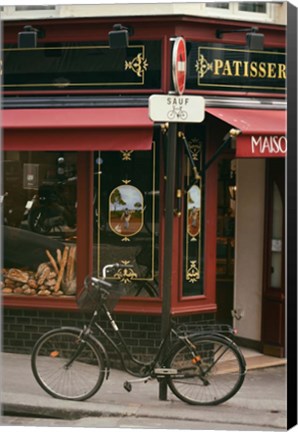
[(149, 366)]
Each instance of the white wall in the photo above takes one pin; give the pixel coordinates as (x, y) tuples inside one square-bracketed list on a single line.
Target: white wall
[(249, 246), (276, 11)]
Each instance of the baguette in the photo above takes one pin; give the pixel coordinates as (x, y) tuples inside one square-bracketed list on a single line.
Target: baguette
[(70, 265), (62, 267), (59, 256), (52, 261)]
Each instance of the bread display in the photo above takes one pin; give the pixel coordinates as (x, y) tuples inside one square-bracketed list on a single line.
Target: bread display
[(51, 278)]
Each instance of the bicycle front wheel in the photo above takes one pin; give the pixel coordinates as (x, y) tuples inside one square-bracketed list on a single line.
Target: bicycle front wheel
[(67, 367), (208, 373)]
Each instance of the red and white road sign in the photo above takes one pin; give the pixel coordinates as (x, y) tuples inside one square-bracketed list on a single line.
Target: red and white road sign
[(179, 65)]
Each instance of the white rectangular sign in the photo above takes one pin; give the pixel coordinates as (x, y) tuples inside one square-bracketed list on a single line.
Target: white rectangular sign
[(175, 108)]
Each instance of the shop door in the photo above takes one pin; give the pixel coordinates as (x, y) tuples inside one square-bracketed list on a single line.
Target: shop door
[(225, 240), (273, 309)]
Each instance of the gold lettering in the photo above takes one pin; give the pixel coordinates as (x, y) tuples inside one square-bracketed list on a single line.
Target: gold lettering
[(262, 70), (282, 71), (227, 69), (237, 64), (253, 69), (245, 71), (271, 70), (218, 64)]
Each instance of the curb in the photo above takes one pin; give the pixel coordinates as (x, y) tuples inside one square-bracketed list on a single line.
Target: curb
[(57, 408)]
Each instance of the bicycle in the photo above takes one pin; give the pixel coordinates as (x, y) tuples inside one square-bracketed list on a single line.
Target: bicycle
[(204, 366), (177, 113)]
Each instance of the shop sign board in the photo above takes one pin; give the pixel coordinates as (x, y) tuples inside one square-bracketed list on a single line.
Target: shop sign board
[(230, 68), (81, 66), (174, 108)]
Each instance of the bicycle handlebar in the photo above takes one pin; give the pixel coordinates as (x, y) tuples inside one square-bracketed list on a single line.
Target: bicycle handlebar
[(115, 265)]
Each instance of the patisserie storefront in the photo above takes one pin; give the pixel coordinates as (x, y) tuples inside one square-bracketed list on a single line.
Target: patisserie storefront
[(85, 172)]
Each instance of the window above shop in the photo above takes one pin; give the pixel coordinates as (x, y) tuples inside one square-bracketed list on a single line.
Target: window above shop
[(254, 11), (30, 11)]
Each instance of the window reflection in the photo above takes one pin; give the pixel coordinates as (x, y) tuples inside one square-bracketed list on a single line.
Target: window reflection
[(38, 203)]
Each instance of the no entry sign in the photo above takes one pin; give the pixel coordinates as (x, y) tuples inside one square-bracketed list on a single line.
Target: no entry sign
[(179, 64)]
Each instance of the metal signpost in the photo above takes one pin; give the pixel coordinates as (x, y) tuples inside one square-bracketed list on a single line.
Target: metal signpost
[(173, 108)]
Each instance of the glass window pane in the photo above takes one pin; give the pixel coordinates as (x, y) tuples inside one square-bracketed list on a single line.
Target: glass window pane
[(226, 219), (34, 8), (220, 5), (276, 241), (126, 214), (193, 210), (39, 200), (258, 7)]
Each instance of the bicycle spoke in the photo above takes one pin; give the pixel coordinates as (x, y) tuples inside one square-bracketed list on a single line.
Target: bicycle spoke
[(214, 375), (66, 369)]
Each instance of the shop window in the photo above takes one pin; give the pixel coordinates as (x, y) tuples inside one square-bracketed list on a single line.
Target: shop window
[(126, 218), (38, 203), (226, 220), (251, 10), (193, 223)]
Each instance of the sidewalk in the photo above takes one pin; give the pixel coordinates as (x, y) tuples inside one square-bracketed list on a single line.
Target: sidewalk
[(261, 402)]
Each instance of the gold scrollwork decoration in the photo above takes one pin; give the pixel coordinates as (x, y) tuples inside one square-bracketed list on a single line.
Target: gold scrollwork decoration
[(126, 155), (193, 273), (195, 148), (203, 66), (138, 65), (126, 274)]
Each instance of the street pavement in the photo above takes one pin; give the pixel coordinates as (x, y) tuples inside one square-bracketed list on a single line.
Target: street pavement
[(259, 405)]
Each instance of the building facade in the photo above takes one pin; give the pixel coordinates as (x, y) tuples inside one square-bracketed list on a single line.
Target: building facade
[(85, 175)]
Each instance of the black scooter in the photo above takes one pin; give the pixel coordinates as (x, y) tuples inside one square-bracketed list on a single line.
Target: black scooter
[(49, 210)]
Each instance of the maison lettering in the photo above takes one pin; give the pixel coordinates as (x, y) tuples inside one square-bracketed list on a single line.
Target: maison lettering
[(269, 144), (253, 69)]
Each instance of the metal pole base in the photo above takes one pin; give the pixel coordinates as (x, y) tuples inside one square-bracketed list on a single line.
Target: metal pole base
[(163, 390)]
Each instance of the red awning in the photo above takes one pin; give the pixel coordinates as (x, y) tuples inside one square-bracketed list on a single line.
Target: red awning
[(77, 129), (263, 132)]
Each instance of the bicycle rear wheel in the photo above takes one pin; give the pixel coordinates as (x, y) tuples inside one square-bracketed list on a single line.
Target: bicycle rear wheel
[(209, 373), (67, 367)]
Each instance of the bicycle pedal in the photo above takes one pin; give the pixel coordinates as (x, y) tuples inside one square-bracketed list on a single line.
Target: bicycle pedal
[(127, 386)]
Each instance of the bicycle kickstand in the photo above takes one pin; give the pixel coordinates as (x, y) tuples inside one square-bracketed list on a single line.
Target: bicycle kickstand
[(128, 384)]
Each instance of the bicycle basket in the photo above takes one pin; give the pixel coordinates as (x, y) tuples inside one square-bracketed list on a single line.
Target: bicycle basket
[(96, 291)]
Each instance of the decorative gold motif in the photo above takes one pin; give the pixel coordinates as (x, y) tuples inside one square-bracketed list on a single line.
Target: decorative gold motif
[(125, 275), (203, 66), (195, 148), (193, 273), (138, 65), (126, 155), (1, 67), (126, 181)]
